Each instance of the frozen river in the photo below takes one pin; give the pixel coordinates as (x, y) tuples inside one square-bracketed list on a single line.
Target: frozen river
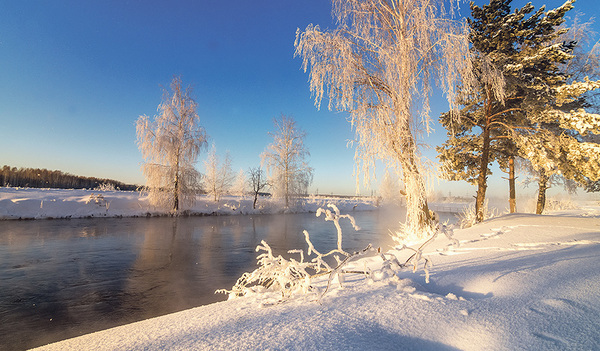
[(64, 278)]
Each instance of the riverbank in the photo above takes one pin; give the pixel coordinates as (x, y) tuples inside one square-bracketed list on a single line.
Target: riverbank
[(517, 281), (30, 203)]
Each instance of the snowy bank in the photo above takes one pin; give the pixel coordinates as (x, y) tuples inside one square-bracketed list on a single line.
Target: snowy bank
[(515, 282), (29, 203)]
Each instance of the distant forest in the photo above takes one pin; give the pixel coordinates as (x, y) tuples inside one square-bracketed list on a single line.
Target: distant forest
[(43, 178)]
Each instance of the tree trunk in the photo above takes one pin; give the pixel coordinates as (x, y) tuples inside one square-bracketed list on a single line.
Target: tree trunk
[(485, 159), (176, 192), (543, 186), (176, 185), (482, 179), (255, 198), (512, 199), (176, 196), (418, 217)]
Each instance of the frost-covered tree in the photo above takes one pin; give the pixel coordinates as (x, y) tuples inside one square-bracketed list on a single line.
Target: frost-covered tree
[(239, 184), (218, 176), (592, 186), (569, 152), (565, 141), (288, 170), (258, 182), (170, 144), (516, 66), (540, 114), (562, 144), (379, 65)]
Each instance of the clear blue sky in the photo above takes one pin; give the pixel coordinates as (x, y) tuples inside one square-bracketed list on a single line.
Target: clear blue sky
[(75, 75)]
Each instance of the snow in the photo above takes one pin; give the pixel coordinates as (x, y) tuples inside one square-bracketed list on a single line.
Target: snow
[(28, 203), (517, 281)]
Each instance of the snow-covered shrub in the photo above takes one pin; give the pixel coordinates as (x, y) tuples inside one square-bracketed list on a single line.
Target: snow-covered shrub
[(288, 277), (468, 216), (285, 278), (560, 204), (415, 259), (99, 200), (292, 277), (105, 187)]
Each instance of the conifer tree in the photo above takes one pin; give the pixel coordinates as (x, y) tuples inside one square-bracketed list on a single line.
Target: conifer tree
[(518, 69), (569, 149)]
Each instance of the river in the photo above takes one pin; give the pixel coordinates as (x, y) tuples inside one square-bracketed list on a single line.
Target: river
[(64, 278)]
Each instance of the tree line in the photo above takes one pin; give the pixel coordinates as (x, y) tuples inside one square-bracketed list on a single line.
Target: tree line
[(44, 178)]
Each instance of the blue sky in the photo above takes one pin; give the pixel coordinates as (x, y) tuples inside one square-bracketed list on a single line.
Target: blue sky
[(75, 76)]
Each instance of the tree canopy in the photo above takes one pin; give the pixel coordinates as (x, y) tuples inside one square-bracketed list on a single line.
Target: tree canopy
[(170, 144)]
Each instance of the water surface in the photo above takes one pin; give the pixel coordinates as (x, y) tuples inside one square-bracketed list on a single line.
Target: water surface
[(64, 278)]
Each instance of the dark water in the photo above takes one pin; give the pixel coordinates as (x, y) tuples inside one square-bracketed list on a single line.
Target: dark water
[(64, 278)]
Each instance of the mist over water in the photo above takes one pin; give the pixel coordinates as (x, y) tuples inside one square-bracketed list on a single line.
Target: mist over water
[(64, 278)]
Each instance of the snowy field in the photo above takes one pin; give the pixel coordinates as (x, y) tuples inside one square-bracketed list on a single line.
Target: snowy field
[(29, 203), (516, 282)]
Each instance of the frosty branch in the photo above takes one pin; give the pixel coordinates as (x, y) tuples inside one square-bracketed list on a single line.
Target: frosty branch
[(281, 279)]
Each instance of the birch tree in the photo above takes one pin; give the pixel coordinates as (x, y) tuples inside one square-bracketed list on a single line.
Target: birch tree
[(288, 170), (238, 187), (218, 176), (379, 65), (170, 144)]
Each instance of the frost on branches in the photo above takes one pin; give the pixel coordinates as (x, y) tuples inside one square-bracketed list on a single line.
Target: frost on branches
[(170, 144), (257, 182), (238, 187), (540, 116), (565, 140), (289, 173), (218, 176), (278, 279), (378, 65)]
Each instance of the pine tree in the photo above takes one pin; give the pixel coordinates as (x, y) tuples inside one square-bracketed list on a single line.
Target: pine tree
[(561, 141), (565, 140), (517, 69)]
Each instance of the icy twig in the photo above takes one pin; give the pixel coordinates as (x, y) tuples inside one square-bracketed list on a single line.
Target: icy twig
[(335, 218), (338, 270)]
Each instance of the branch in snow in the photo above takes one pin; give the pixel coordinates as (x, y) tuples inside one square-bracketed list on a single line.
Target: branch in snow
[(286, 278)]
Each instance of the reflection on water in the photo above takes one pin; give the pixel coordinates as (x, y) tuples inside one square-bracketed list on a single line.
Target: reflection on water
[(64, 278)]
